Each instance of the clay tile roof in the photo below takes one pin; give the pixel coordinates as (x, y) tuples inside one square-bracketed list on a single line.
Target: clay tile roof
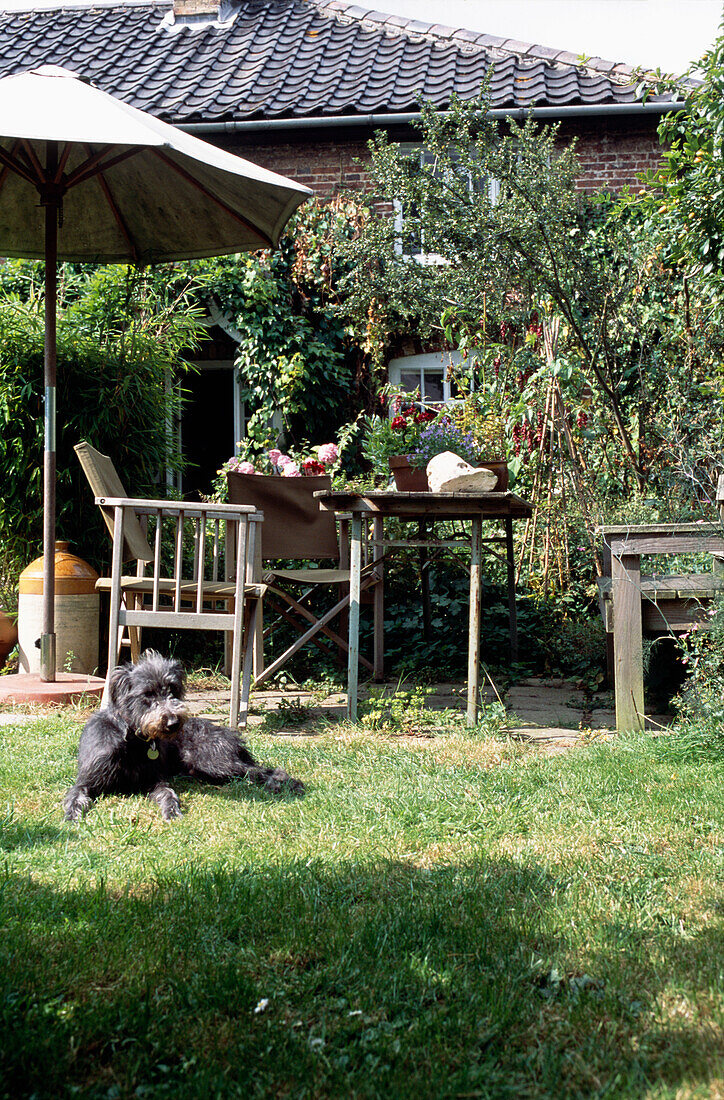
[(290, 58)]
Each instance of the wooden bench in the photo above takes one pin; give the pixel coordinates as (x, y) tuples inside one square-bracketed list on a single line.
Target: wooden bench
[(632, 603)]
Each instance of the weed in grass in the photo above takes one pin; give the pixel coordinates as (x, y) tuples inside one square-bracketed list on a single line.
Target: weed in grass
[(321, 687), (493, 720), (293, 712), (395, 710)]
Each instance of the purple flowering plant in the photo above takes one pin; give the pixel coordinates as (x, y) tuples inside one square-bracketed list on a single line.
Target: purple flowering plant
[(444, 435)]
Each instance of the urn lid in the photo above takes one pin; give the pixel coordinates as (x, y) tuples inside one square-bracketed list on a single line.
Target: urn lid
[(73, 576)]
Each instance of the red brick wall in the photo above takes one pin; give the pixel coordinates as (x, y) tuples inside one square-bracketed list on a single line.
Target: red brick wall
[(325, 164), (611, 153)]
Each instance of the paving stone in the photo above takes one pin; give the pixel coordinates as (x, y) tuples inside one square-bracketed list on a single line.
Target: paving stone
[(17, 719), (547, 733)]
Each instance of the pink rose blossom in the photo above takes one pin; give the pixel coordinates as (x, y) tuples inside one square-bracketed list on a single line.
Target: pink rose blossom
[(290, 469), (274, 457), (238, 466), (327, 453), (283, 461)]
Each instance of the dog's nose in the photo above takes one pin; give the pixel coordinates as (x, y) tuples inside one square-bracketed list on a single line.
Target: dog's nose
[(172, 723)]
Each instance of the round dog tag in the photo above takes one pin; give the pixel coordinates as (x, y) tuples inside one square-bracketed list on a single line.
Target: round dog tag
[(152, 753)]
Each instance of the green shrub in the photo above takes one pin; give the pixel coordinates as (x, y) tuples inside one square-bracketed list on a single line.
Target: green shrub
[(700, 729), (120, 335)]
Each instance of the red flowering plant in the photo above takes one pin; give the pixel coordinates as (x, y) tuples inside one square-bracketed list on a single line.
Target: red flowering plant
[(397, 433)]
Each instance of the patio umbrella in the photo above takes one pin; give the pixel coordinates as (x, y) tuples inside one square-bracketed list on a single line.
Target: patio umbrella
[(85, 177)]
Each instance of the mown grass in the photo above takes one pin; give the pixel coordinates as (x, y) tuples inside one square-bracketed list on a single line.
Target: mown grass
[(443, 917)]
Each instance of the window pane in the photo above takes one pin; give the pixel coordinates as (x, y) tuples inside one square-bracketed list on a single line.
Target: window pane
[(409, 381), (434, 386)]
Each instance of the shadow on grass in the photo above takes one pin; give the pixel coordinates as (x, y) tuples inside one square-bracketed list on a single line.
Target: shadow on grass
[(15, 835), (362, 980)]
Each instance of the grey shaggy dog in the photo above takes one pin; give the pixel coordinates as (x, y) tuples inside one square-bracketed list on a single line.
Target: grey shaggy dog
[(145, 737)]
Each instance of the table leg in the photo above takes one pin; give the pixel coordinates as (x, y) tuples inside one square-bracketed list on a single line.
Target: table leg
[(476, 557), (258, 642), (627, 641), (354, 597), (425, 583), (378, 659), (512, 611)]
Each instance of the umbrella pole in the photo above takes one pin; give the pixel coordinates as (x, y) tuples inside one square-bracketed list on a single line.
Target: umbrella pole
[(48, 637)]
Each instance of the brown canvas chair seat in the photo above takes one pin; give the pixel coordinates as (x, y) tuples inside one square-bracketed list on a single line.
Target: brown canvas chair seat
[(296, 529), (302, 576), (182, 595)]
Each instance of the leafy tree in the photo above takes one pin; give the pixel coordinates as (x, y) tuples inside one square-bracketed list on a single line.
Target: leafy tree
[(685, 195), (498, 211)]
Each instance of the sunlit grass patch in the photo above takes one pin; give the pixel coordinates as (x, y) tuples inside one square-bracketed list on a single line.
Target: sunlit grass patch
[(439, 916)]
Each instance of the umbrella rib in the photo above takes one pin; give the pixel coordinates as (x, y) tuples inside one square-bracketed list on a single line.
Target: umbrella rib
[(35, 163), (14, 165), (86, 166), (117, 215), (92, 167), (62, 164), (219, 202)]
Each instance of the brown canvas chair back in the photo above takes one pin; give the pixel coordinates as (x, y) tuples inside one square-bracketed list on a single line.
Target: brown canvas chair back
[(105, 482), (294, 525)]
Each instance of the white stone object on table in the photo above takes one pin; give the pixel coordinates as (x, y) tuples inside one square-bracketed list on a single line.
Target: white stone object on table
[(448, 473)]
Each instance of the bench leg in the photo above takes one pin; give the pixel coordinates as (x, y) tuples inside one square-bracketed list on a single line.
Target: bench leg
[(627, 641)]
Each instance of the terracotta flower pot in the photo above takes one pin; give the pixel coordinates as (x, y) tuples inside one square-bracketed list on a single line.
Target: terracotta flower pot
[(500, 467), (8, 637), (408, 479)]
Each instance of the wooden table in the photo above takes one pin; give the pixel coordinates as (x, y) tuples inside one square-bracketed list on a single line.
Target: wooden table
[(623, 547), (474, 507)]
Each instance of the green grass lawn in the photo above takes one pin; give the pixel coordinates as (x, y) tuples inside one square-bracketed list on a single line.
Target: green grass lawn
[(439, 917)]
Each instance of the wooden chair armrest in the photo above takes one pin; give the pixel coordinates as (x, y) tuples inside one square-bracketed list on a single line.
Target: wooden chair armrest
[(143, 506)]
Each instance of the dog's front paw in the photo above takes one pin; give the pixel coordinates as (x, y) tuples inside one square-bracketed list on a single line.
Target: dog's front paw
[(76, 803), (167, 801)]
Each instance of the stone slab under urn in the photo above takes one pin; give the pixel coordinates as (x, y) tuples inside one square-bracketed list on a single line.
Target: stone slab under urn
[(448, 473)]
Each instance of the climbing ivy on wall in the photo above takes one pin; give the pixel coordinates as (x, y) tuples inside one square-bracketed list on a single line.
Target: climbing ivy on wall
[(296, 358)]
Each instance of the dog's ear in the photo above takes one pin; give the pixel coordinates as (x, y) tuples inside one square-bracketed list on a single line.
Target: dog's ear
[(179, 676), (118, 684)]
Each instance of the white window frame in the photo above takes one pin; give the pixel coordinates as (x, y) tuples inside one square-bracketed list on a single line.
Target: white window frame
[(431, 259), (432, 362)]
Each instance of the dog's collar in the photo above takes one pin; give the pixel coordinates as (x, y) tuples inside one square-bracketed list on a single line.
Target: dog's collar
[(132, 732), (152, 749)]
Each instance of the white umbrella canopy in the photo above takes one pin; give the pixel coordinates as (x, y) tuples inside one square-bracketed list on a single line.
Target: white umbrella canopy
[(85, 177), (133, 188)]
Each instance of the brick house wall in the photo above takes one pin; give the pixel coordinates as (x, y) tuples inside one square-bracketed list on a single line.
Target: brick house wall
[(612, 153)]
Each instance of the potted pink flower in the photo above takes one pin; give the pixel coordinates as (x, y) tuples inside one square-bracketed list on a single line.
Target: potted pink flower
[(284, 465)]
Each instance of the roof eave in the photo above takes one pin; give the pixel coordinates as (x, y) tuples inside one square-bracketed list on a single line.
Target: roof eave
[(374, 120)]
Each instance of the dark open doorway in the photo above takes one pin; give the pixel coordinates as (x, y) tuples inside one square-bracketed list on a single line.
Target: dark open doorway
[(207, 425)]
